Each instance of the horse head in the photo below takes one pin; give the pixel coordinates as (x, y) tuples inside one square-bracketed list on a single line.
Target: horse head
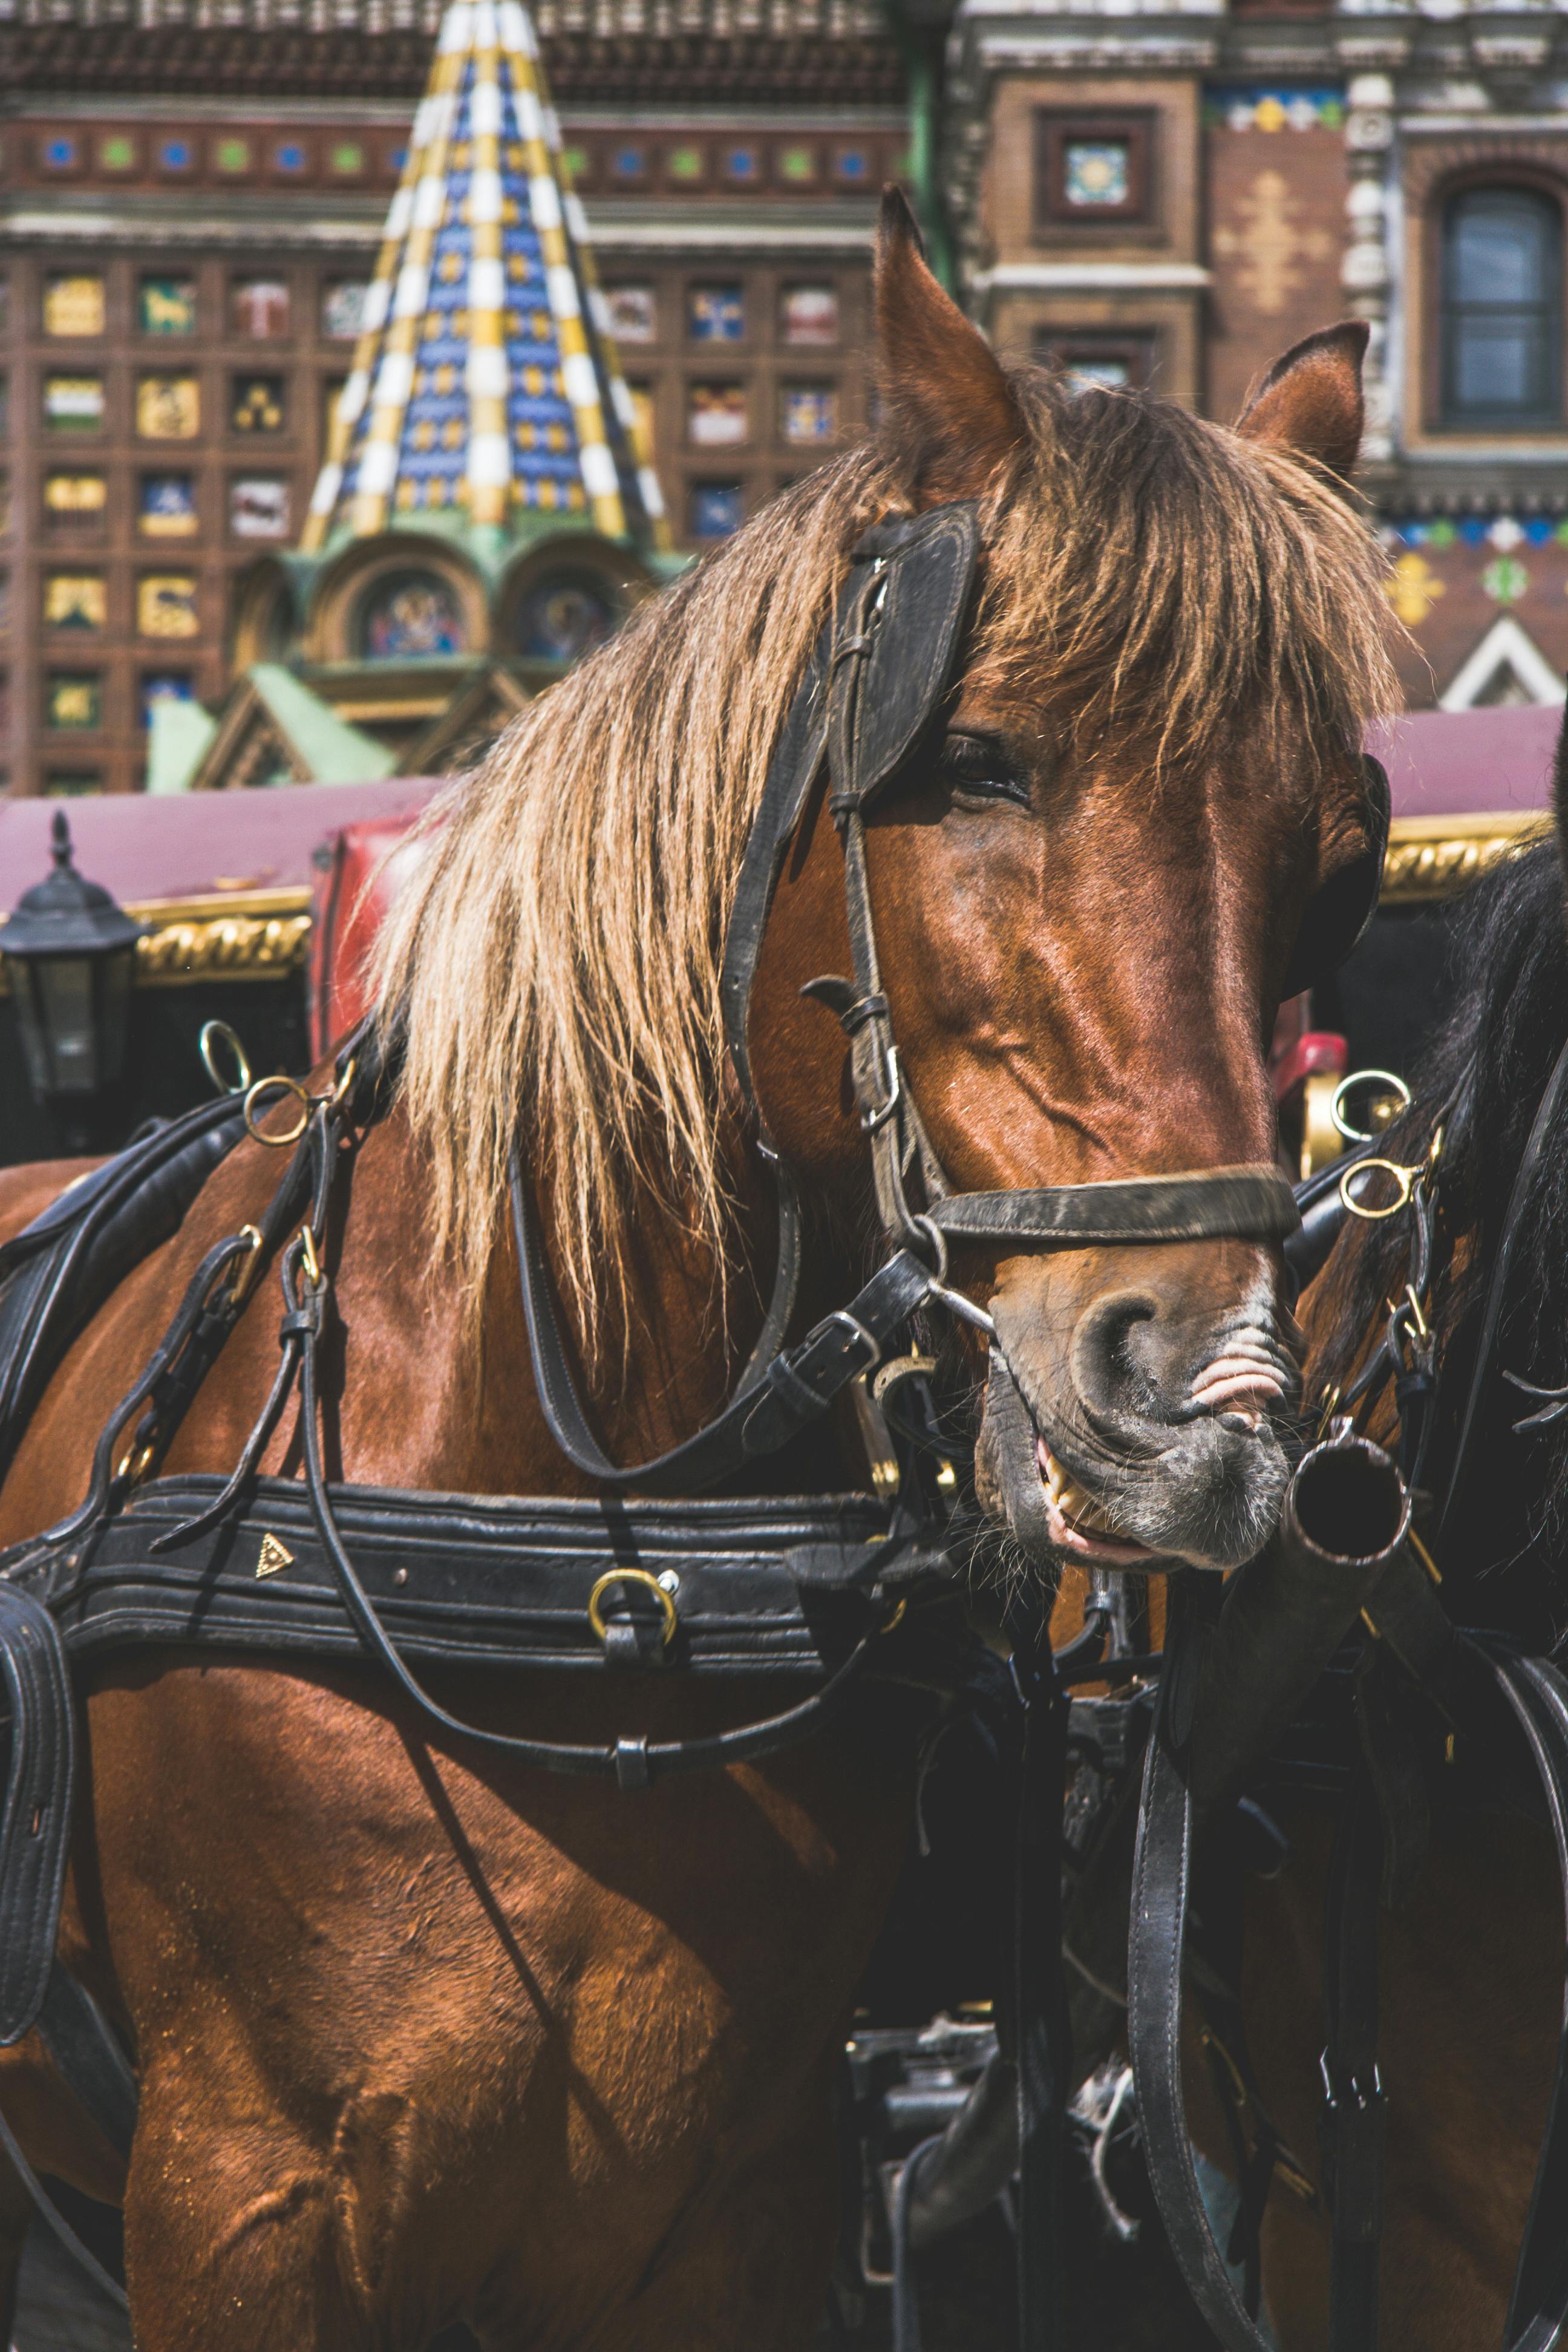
[(1088, 884)]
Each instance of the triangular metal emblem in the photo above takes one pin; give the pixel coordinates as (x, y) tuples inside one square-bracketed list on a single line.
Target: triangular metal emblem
[(272, 1556)]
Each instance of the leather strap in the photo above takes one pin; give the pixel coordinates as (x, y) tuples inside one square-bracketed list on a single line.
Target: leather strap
[(1253, 1203), (1161, 1873), (85, 2054), (790, 1394), (35, 1830)]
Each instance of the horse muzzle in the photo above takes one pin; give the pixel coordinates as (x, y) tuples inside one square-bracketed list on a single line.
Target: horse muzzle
[(1148, 1435)]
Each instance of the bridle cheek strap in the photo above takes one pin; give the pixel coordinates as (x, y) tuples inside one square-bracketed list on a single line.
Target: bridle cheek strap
[(872, 692)]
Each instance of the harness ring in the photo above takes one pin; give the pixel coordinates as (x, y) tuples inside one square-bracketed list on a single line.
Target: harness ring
[(1403, 1178), (301, 1093), (649, 1584)]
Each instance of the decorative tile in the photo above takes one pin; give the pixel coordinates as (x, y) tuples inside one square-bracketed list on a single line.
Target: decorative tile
[(73, 305), (1097, 173)]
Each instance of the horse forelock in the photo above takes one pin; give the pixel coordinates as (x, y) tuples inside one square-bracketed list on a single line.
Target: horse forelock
[(553, 963)]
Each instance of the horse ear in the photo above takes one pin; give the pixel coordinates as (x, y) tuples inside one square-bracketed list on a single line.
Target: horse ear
[(1310, 401), (950, 419)]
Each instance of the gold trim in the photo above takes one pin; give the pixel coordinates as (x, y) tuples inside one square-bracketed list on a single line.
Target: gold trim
[(250, 934), (1432, 858), (226, 946)]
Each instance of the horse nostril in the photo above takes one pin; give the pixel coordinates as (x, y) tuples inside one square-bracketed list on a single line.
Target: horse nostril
[(1114, 1375)]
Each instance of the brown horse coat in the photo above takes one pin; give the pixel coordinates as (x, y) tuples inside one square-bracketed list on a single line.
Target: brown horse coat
[(422, 2035)]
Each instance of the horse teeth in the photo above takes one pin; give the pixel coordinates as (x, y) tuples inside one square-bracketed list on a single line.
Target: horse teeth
[(1068, 1496)]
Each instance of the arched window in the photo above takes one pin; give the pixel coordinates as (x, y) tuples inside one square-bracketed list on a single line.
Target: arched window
[(412, 616), (1502, 310)]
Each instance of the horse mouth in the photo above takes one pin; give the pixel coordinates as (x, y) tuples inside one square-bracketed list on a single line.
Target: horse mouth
[(1080, 1527), (1201, 1482)]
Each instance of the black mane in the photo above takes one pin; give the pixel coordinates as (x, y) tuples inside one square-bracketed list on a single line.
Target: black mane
[(1482, 1081)]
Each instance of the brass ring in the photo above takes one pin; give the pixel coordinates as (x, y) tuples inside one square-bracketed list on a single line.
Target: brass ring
[(218, 1032), (289, 1085), (632, 1575), (1365, 1078), (1403, 1178)]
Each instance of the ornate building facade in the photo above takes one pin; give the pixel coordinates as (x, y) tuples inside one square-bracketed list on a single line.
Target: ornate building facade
[(1174, 194), (192, 202), (193, 193)]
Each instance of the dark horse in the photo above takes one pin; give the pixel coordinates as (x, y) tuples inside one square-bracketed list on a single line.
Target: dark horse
[(1472, 1953), (423, 2035)]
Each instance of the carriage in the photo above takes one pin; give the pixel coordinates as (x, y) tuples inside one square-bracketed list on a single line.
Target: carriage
[(510, 1674)]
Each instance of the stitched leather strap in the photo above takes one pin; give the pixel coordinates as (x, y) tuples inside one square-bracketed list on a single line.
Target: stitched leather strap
[(1252, 1203), (36, 1829), (788, 1396)]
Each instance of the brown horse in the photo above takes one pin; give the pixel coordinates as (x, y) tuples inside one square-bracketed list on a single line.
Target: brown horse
[(1471, 1958), (423, 2035)]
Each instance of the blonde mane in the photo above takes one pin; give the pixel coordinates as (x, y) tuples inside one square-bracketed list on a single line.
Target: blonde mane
[(553, 965)]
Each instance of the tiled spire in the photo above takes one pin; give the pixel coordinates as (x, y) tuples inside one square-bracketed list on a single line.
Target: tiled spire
[(485, 385)]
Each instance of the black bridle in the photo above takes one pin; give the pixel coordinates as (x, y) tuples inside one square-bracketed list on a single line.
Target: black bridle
[(870, 698)]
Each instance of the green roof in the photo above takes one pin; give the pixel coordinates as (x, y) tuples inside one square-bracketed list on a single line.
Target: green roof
[(324, 746)]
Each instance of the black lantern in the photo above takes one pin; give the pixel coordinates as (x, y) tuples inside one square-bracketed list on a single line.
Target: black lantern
[(68, 950)]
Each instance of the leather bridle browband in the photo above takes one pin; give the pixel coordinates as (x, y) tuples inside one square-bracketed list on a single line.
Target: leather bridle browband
[(872, 693)]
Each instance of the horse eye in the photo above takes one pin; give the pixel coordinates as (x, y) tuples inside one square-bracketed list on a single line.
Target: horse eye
[(976, 767)]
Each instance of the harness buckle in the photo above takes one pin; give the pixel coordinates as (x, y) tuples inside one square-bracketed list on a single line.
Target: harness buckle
[(853, 1323)]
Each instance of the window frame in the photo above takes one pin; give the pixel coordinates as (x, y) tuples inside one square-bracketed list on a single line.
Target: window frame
[(1055, 128), (1444, 415)]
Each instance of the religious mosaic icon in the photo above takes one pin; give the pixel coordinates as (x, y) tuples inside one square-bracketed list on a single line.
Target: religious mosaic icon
[(810, 413), (1097, 173), (258, 507), (343, 308), (258, 405), (634, 313), (716, 314), (164, 686), (809, 314), (74, 701), (167, 306), (73, 306), (75, 600), (167, 605), (74, 498), (564, 618), (716, 508), (168, 408), (413, 617), (168, 508), (73, 403), (716, 414), (260, 308)]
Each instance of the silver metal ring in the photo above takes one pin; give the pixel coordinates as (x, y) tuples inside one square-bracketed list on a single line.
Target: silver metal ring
[(932, 1232), (218, 1032), (1384, 1078)]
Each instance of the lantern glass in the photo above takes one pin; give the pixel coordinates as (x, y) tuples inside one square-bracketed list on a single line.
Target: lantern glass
[(63, 990)]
